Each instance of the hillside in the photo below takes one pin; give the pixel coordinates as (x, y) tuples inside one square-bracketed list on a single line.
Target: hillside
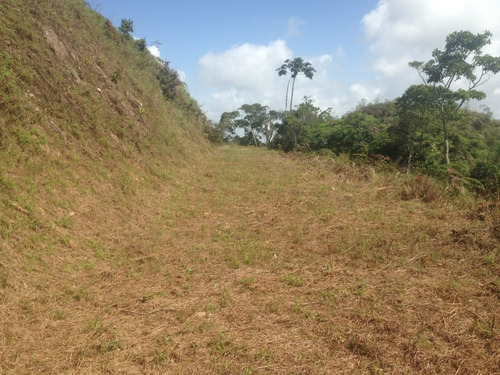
[(128, 245)]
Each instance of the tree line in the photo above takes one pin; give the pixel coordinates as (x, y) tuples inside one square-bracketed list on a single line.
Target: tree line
[(427, 129)]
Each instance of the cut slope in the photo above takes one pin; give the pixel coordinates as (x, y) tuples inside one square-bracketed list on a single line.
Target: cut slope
[(72, 84)]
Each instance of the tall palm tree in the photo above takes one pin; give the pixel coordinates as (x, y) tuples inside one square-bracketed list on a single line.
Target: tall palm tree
[(295, 66)]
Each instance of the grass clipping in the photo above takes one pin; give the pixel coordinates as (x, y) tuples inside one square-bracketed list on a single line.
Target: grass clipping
[(248, 262)]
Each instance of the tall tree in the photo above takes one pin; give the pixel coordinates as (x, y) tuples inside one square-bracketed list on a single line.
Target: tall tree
[(295, 67), (462, 59)]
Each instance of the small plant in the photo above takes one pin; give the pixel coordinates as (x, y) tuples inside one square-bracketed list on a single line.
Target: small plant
[(247, 282), (147, 297), (30, 139), (110, 346), (59, 315), (222, 346), (94, 324), (141, 44), (293, 280), (65, 222), (117, 75), (100, 62)]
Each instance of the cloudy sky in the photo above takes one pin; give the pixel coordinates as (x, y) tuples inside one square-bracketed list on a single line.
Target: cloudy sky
[(227, 51)]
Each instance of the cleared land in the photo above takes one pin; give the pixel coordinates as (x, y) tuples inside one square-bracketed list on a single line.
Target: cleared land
[(247, 262)]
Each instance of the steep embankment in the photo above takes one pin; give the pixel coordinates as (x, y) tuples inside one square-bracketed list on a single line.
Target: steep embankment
[(72, 84), (124, 249), (83, 113), (86, 136)]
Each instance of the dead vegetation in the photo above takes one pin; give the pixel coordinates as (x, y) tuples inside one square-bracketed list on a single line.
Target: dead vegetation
[(249, 263), (127, 246)]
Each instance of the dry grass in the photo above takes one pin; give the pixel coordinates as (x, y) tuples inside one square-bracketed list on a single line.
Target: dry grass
[(245, 262)]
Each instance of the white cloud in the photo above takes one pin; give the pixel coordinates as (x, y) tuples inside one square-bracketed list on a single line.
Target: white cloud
[(396, 32), (246, 67), (246, 74), (243, 74), (294, 27), (155, 51), (341, 53), (364, 91), (182, 75), (400, 31)]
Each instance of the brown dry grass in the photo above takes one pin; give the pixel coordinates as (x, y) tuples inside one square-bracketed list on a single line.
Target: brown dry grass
[(246, 262)]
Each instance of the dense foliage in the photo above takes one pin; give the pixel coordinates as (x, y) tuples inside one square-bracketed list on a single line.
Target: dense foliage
[(414, 131), (408, 134)]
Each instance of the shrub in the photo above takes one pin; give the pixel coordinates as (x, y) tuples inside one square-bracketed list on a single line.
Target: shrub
[(420, 187)]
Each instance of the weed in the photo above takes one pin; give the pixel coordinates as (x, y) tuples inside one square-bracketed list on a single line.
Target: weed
[(65, 222), (79, 293), (94, 324), (274, 306), (225, 299), (210, 308), (293, 280), (4, 276), (110, 346), (223, 346), (329, 297), (59, 315), (116, 76), (247, 282)]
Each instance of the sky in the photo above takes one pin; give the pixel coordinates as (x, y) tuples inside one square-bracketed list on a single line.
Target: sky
[(227, 51)]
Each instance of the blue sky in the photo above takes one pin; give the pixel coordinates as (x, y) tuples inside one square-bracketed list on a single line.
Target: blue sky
[(227, 51)]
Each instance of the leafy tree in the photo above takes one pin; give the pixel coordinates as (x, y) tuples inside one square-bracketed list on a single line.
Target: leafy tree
[(213, 132), (126, 27), (359, 134), (295, 67), (253, 123), (305, 128), (462, 59), (477, 142), (417, 115), (227, 125)]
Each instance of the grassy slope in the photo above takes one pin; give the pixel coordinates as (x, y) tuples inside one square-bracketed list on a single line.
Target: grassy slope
[(127, 247)]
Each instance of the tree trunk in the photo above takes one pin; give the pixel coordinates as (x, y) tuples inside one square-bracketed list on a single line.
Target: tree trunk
[(291, 97), (445, 134), (254, 139), (286, 98), (410, 154), (268, 134)]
